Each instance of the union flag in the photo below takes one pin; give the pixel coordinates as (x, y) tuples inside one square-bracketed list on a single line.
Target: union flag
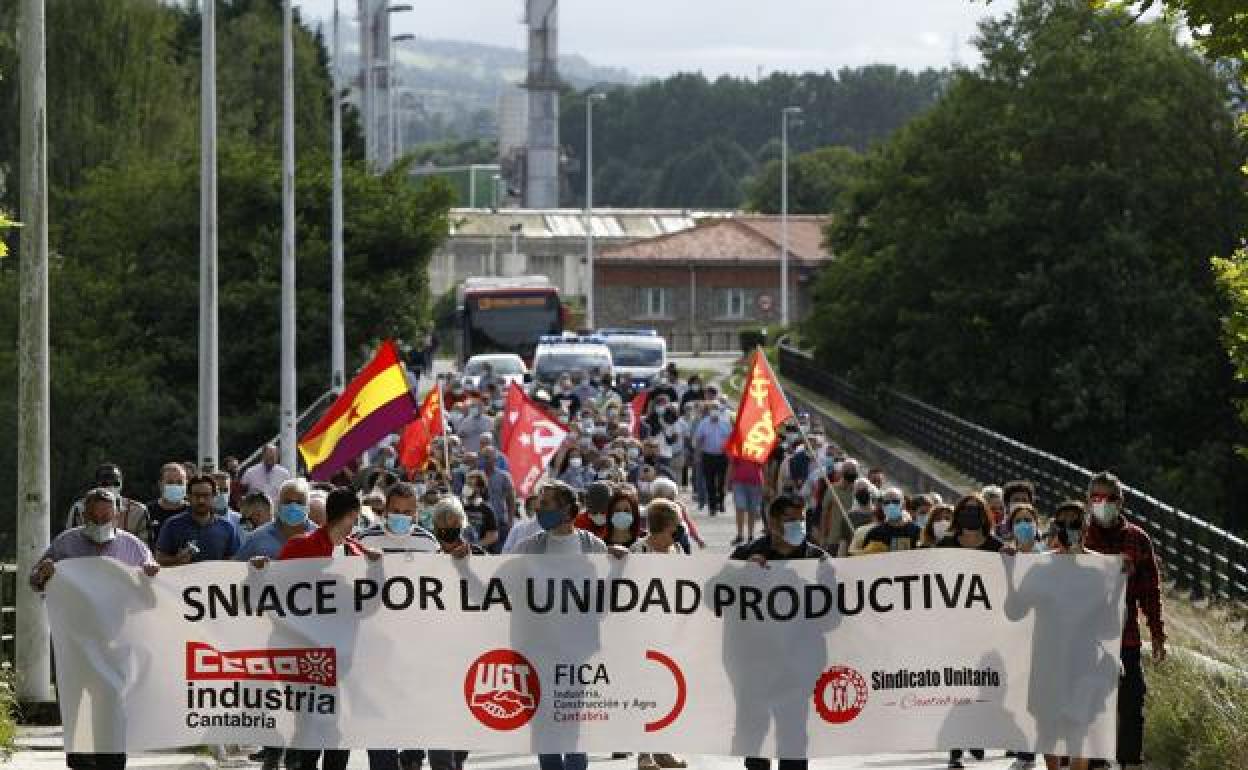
[(413, 446), (763, 409), (530, 438)]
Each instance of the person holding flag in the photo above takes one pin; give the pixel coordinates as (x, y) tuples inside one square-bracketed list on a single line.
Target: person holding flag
[(417, 439), (529, 438)]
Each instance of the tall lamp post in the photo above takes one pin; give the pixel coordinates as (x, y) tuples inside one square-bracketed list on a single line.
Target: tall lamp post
[(390, 81), (287, 406), (589, 204), (337, 335), (208, 348), (784, 212)]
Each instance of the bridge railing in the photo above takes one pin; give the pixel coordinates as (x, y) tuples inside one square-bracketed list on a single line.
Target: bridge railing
[(1198, 556)]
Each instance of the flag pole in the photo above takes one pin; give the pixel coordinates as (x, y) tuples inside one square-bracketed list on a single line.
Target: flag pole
[(805, 441), (446, 430)]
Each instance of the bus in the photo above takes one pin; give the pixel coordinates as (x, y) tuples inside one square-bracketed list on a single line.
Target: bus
[(507, 315)]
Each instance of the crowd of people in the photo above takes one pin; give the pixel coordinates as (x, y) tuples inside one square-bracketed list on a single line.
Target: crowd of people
[(616, 485)]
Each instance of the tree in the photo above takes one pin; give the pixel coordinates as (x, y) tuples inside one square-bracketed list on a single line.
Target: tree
[(816, 181), (1032, 253)]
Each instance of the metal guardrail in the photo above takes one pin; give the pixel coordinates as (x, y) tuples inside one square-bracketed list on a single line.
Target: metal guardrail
[(1198, 556), (8, 615), (306, 419)]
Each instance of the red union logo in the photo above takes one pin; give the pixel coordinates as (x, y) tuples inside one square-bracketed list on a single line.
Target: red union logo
[(502, 690), (304, 665), (840, 695)]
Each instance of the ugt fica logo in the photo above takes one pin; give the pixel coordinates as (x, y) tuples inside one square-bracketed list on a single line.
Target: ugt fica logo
[(304, 665), (840, 695), (502, 690)]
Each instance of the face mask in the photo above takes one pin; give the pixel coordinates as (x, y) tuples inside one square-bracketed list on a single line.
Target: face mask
[(851, 477), (426, 518), (970, 519), (389, 463), (1074, 537), (550, 519), (399, 523), (645, 487), (1025, 531), (1104, 513), (599, 519), (99, 533), (622, 520), (456, 414), (794, 532), (173, 493), (474, 411), (574, 462), (940, 529), (921, 520), (862, 497), (448, 534), (420, 489), (892, 512), (292, 514), (633, 454), (221, 502)]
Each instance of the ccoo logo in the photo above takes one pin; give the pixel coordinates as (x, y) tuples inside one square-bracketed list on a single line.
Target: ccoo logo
[(840, 695), (502, 690), (305, 665)]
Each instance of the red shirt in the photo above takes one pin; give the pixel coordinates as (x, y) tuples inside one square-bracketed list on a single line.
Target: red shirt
[(1143, 581), (316, 545), (582, 521)]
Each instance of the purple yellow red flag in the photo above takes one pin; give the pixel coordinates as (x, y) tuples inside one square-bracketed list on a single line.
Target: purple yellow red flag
[(375, 404), (763, 409)]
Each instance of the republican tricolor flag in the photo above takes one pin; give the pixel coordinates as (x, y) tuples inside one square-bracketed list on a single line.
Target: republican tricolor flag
[(375, 404), (763, 409)]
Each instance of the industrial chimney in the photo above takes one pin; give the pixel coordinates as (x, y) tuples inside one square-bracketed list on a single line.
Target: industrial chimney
[(542, 156)]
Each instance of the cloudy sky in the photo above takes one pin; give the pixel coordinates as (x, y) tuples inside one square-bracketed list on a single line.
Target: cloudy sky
[(659, 37)]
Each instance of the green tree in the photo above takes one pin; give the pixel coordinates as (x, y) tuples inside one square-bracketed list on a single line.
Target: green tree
[(1032, 252), (817, 180)]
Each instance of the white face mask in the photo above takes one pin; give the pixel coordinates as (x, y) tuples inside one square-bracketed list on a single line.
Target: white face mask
[(1105, 513), (940, 529), (99, 533), (574, 462)]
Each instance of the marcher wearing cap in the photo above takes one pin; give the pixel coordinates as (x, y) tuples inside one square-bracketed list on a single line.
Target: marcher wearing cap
[(132, 515)]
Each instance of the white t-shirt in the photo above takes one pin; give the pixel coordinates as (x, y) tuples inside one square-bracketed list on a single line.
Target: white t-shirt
[(257, 478), (563, 544)]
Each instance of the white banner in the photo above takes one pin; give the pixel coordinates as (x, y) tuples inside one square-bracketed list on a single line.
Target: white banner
[(908, 651)]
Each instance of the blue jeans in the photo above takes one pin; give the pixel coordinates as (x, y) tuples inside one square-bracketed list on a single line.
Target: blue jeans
[(563, 761)]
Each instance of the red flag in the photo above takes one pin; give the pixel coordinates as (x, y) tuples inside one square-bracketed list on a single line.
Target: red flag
[(529, 439), (637, 411), (763, 409), (413, 446)]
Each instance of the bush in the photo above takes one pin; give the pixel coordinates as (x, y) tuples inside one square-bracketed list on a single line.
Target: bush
[(8, 715), (752, 338), (1195, 718)]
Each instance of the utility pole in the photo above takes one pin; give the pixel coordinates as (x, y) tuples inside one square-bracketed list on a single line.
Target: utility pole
[(784, 213), (288, 392), (366, 78), (589, 204), (33, 665), (208, 348), (337, 336)]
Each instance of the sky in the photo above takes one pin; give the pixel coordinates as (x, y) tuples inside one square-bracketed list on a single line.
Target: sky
[(735, 37)]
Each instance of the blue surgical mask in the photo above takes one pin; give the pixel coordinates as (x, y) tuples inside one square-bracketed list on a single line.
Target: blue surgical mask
[(1025, 531), (221, 502), (292, 514), (892, 512), (921, 521), (794, 532), (549, 519), (399, 523), (173, 493), (426, 518), (622, 520)]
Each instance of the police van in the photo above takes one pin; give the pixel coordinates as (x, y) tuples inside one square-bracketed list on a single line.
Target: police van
[(639, 353), (557, 355)]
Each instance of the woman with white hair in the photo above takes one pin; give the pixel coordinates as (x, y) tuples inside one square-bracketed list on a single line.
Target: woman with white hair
[(666, 489)]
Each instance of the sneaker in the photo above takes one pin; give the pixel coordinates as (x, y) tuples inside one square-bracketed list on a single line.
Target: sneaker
[(956, 764), (669, 761), (978, 754), (1023, 764), (646, 762)]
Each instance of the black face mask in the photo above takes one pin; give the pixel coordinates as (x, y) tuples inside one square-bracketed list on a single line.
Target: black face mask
[(448, 534), (850, 477), (970, 519), (863, 497)]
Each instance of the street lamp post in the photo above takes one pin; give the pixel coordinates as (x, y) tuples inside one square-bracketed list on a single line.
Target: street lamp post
[(337, 336), (393, 126), (386, 63), (589, 204), (287, 406), (208, 348), (784, 212)]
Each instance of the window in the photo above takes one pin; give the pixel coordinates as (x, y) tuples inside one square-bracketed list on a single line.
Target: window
[(731, 303), (655, 302)]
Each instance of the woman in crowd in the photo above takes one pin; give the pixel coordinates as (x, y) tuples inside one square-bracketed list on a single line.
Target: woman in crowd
[(939, 521), (624, 519), (573, 471), (482, 527)]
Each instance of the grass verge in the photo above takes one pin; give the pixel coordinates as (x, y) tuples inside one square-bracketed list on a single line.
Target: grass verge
[(8, 714), (1196, 717)]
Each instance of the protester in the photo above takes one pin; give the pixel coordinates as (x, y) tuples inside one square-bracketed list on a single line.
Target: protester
[(98, 535), (662, 522), (221, 502), (292, 519), (172, 499), (1109, 532), (596, 516), (746, 480), (400, 530), (198, 534), (709, 440), (939, 522), (266, 476), (895, 533), (482, 526), (665, 489), (256, 510), (556, 512), (525, 527), (624, 522), (132, 516)]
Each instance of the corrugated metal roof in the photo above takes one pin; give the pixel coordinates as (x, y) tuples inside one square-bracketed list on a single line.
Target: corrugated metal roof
[(570, 223)]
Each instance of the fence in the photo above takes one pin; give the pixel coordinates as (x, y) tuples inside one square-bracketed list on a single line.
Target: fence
[(8, 615), (717, 341), (1198, 556)]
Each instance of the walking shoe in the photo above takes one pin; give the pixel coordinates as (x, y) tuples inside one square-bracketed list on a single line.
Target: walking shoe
[(1023, 764), (978, 754), (670, 761), (620, 755), (738, 540), (646, 762), (258, 756), (956, 764)]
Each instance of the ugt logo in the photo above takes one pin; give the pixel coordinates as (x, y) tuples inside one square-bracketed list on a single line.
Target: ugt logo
[(502, 690), (305, 665)]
